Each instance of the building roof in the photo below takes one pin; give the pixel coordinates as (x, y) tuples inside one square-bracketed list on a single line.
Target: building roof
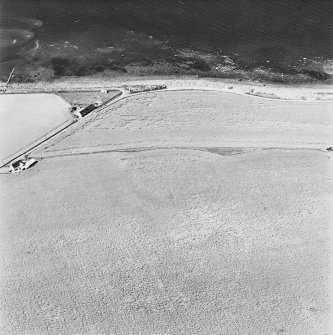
[(17, 164)]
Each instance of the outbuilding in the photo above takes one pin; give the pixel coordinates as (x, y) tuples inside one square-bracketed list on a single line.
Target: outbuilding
[(21, 164), (16, 166), (87, 110)]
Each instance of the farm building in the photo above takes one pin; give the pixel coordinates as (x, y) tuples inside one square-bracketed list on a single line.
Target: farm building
[(22, 164), (87, 110), (16, 166)]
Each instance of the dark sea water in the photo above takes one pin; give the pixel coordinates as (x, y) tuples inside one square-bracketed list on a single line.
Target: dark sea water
[(278, 40)]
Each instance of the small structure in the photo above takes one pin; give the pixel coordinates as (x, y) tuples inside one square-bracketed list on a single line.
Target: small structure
[(16, 166), (87, 110), (21, 164)]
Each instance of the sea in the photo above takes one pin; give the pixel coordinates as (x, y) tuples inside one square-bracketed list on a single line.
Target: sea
[(269, 40)]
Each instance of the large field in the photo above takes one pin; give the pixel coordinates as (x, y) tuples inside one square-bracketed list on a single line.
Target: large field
[(195, 226), (200, 119), (26, 118)]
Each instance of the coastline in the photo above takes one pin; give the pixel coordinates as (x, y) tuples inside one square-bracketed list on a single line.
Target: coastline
[(305, 92)]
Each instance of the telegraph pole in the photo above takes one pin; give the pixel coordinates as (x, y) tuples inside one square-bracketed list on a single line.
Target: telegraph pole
[(10, 76)]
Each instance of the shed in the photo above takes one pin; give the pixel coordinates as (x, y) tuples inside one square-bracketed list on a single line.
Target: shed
[(16, 166)]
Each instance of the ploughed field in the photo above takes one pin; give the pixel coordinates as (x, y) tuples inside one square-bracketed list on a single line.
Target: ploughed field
[(178, 234), (27, 118)]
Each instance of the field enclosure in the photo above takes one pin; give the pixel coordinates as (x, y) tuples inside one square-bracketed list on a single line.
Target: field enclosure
[(27, 119), (199, 119)]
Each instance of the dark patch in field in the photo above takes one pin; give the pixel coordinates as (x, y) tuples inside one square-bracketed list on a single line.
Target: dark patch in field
[(224, 151)]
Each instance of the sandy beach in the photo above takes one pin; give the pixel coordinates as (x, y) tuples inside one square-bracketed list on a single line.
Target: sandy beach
[(202, 209), (312, 92)]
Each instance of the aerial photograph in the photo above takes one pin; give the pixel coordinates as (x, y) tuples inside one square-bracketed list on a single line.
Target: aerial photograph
[(166, 167)]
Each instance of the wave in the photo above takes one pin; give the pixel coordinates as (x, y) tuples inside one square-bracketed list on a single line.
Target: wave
[(12, 40), (15, 33), (8, 22)]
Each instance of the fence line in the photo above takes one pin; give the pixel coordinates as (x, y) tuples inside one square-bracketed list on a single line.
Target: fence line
[(59, 90)]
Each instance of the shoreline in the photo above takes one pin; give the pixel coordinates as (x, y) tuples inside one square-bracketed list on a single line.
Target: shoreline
[(310, 92)]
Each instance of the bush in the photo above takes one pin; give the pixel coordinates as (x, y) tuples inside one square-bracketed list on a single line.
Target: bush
[(318, 75), (60, 65), (201, 65)]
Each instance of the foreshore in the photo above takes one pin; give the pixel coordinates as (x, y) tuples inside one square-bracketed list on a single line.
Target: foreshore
[(310, 92)]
